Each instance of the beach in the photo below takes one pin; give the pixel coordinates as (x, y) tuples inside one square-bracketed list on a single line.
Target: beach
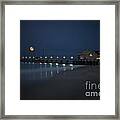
[(67, 85)]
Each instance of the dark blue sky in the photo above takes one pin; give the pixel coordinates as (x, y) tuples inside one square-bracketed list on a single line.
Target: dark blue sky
[(59, 37)]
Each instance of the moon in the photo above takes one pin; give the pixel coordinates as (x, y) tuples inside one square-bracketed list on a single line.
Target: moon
[(31, 49)]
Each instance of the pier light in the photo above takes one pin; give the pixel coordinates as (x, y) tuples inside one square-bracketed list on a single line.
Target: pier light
[(57, 57), (90, 55), (29, 57), (71, 57), (71, 65), (40, 63), (40, 57), (57, 64), (50, 63), (33, 63), (45, 56), (22, 57), (63, 64), (97, 58), (45, 63), (51, 56), (33, 57), (81, 58), (26, 57), (64, 57)]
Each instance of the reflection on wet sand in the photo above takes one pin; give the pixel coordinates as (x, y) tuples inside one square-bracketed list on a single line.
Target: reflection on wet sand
[(32, 71)]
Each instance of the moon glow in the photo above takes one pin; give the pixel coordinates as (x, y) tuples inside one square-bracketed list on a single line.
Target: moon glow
[(31, 49)]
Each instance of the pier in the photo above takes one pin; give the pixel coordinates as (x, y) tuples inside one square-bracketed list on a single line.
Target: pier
[(59, 60)]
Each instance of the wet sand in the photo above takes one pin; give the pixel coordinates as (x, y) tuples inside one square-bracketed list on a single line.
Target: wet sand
[(68, 85)]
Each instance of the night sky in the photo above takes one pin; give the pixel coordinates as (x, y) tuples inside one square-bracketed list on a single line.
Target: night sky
[(58, 37)]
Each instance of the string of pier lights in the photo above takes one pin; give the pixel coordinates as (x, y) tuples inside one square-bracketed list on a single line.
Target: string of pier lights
[(51, 58), (45, 57), (57, 58)]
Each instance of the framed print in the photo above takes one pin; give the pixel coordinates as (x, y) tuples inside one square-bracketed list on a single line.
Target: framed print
[(60, 59)]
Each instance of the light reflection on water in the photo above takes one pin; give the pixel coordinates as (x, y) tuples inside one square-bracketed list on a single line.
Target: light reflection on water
[(32, 71)]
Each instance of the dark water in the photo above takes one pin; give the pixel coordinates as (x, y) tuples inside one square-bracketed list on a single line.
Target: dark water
[(31, 71)]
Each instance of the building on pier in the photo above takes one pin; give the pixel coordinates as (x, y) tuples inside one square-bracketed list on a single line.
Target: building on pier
[(89, 55)]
